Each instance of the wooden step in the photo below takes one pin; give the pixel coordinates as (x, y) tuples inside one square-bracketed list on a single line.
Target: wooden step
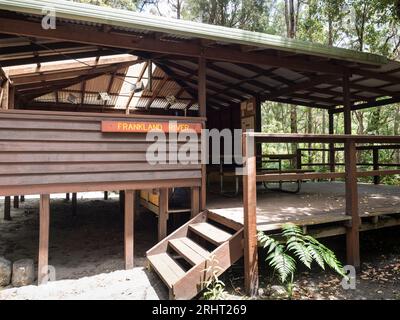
[(209, 232), (189, 250), (167, 268)]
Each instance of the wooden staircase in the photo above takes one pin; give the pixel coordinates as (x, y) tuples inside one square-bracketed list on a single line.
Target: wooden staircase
[(183, 259)]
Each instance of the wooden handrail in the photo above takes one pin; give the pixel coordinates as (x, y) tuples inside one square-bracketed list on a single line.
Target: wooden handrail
[(251, 178)]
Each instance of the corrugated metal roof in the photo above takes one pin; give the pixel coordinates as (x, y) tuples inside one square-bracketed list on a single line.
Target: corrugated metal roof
[(85, 13)]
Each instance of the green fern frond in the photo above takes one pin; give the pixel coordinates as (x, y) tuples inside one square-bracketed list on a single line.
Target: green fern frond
[(282, 263), (300, 250)]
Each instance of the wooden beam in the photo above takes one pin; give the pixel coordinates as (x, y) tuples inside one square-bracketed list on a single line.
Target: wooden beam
[(302, 86), (44, 226), (156, 91), (105, 195), (346, 104), (140, 77), (371, 104), (92, 35), (163, 213), (250, 218), (129, 228), (352, 233), (7, 208)]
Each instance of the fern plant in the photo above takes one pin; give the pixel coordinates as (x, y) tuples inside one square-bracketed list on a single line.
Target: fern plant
[(281, 255)]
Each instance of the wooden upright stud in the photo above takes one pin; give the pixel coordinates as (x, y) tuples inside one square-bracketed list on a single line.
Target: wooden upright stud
[(105, 195), (22, 198), (346, 104), (352, 233), (67, 196), (195, 201), (163, 214), (74, 204), (121, 201), (44, 217), (129, 228), (250, 218), (202, 100), (16, 202), (331, 145), (7, 208)]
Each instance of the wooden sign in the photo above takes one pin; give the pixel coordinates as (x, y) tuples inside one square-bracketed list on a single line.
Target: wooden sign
[(146, 126)]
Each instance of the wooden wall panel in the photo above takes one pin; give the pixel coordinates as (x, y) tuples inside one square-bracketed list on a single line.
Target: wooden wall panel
[(51, 148)]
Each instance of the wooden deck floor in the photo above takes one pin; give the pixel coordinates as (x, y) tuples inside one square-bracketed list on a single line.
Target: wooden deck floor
[(320, 203)]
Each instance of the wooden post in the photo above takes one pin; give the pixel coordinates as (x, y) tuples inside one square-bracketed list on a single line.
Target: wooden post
[(74, 204), (352, 233), (43, 261), (22, 198), (163, 214), (299, 162), (331, 145), (129, 199), (67, 196), (202, 100), (105, 195), (195, 201), (16, 202), (346, 104), (121, 201), (11, 98), (250, 218), (375, 160), (5, 95), (7, 208)]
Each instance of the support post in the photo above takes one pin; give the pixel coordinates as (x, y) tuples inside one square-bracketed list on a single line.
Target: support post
[(16, 202), (121, 201), (202, 100), (105, 195), (352, 233), (7, 208), (74, 204), (129, 228), (375, 160), (163, 214), (67, 196), (195, 201), (331, 145), (22, 198), (250, 218), (346, 104), (43, 260)]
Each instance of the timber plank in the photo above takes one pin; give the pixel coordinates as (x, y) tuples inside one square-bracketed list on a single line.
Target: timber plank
[(189, 250), (166, 267), (209, 232)]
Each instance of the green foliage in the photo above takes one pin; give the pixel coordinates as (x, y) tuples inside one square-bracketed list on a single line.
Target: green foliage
[(214, 287), (296, 246)]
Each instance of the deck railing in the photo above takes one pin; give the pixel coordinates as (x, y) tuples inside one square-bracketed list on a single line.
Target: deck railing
[(350, 174), (376, 163)]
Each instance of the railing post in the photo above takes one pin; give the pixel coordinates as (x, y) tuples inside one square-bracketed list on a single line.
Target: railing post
[(352, 233), (331, 145), (250, 219), (375, 160)]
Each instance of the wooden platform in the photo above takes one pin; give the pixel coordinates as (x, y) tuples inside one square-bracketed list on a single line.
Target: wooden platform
[(319, 207)]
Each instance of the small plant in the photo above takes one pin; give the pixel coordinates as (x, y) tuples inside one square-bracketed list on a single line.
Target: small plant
[(214, 287), (281, 255)]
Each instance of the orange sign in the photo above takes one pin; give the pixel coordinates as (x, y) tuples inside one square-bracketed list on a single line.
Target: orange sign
[(146, 126)]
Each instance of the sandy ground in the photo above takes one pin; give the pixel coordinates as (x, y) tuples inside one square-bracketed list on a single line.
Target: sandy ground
[(136, 284), (90, 244)]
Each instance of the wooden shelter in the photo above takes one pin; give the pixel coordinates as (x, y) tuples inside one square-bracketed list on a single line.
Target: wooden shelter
[(50, 144)]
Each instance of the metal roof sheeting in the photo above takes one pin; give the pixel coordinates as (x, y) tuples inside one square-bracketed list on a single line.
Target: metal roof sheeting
[(86, 13)]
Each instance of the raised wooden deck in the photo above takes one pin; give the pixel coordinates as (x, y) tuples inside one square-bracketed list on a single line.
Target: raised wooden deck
[(320, 207)]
